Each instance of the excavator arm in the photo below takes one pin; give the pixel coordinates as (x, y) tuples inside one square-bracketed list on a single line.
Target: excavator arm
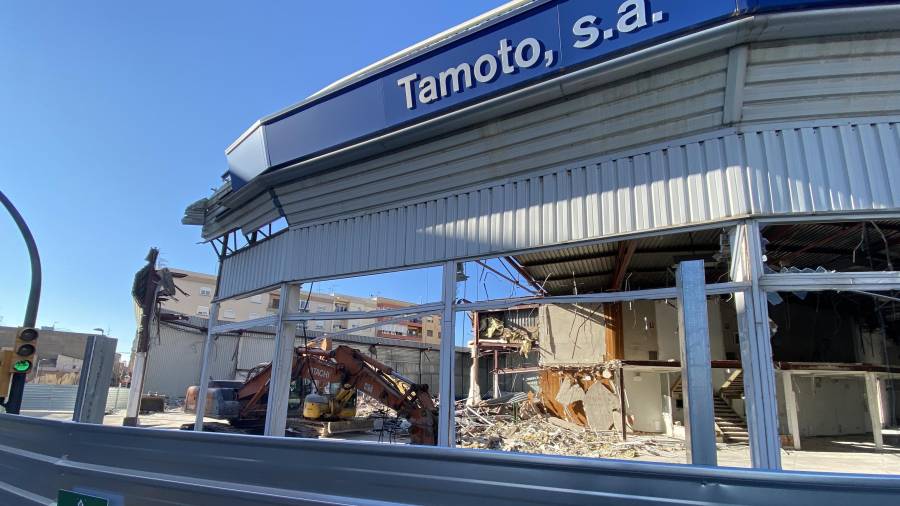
[(352, 370)]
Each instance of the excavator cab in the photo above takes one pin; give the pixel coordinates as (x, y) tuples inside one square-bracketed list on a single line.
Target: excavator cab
[(335, 402)]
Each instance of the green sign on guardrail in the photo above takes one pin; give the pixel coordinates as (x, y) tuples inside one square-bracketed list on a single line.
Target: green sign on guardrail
[(69, 498)]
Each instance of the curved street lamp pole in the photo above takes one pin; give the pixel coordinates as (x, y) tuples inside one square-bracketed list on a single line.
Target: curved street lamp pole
[(14, 402)]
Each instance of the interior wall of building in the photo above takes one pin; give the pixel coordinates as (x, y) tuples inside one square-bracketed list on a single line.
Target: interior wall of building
[(572, 334), (645, 402), (826, 406)]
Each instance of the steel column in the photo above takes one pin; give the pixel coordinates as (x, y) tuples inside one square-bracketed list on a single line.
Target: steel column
[(204, 366), (752, 311), (693, 334), (446, 420), (280, 381)]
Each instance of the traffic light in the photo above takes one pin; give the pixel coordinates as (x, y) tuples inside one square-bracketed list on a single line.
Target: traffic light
[(24, 350)]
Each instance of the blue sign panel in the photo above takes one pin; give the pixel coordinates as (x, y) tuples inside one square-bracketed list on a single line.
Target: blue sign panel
[(551, 38)]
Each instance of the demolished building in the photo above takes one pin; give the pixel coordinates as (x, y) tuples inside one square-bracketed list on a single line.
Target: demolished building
[(769, 160)]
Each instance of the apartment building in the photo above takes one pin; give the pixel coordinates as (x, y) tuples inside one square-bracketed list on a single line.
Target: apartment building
[(195, 299)]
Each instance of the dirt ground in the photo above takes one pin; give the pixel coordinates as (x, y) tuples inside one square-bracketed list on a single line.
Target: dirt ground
[(844, 454)]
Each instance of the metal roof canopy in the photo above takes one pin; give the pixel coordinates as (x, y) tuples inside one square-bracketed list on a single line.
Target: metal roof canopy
[(252, 153), (803, 245)]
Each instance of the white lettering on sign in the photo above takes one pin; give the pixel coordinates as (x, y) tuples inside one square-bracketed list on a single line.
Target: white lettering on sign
[(633, 16), (485, 69), (527, 53), (316, 372)]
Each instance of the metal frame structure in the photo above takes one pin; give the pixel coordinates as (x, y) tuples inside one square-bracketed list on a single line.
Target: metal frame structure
[(749, 286)]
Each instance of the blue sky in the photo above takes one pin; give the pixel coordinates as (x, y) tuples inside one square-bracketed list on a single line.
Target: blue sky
[(115, 117)]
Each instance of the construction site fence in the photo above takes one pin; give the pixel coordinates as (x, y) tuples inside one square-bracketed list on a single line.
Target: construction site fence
[(62, 398), (164, 467)]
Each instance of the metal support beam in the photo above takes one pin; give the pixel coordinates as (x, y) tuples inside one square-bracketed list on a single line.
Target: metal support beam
[(873, 400), (280, 381), (756, 348), (790, 406), (838, 281), (447, 412), (693, 334), (204, 366)]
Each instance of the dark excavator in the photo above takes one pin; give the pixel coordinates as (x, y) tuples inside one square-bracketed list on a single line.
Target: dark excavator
[(335, 375)]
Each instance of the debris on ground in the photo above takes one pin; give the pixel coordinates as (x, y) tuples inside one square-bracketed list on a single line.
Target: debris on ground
[(525, 427), (366, 406)]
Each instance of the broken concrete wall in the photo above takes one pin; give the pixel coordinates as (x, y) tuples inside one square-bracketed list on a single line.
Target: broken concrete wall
[(581, 397), (572, 334)]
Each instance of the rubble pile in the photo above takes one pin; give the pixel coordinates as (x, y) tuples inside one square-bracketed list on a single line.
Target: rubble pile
[(368, 407), (525, 428)]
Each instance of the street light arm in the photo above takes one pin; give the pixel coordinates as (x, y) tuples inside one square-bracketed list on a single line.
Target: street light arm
[(34, 295), (13, 402)]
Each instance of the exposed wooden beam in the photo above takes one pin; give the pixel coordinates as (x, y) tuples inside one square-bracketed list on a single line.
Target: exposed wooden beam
[(623, 260)]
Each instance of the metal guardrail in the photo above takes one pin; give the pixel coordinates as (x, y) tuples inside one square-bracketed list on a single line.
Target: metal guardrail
[(158, 467)]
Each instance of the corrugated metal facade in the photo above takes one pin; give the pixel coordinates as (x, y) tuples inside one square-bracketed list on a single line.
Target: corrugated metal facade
[(799, 168), (174, 360), (39, 397), (680, 99), (848, 76)]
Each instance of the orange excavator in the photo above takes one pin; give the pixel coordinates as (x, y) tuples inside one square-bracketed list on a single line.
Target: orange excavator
[(343, 370)]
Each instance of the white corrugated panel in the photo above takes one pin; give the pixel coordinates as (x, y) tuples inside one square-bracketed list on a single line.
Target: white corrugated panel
[(853, 76), (254, 351), (640, 110), (174, 361), (802, 168)]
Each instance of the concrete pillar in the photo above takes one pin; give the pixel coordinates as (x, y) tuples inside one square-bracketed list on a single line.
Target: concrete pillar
[(756, 349), (134, 391), (93, 385), (282, 362), (474, 389), (874, 402), (447, 420), (668, 408), (790, 406), (693, 332), (203, 386), (496, 375)]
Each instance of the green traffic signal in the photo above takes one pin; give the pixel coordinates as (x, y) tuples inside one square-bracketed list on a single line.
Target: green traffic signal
[(22, 366)]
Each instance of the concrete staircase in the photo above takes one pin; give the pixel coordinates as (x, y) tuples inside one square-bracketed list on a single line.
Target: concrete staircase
[(732, 426)]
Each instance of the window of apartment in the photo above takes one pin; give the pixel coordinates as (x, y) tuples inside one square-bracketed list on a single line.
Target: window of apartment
[(228, 314), (273, 302), (341, 307), (205, 291), (202, 310), (256, 299), (429, 333), (304, 306)]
